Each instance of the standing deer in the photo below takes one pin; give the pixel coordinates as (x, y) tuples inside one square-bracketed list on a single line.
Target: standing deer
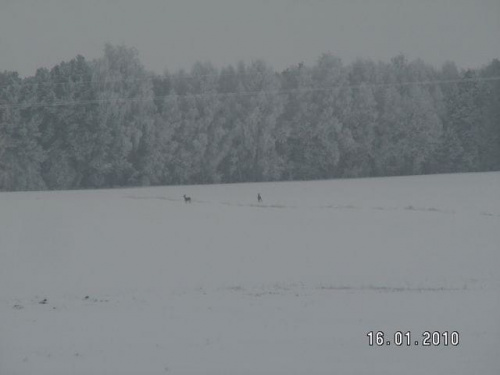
[(187, 199), (259, 198)]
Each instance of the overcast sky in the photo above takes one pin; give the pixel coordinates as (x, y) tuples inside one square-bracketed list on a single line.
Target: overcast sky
[(174, 34)]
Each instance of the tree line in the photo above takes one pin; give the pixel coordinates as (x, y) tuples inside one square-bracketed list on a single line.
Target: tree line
[(109, 122)]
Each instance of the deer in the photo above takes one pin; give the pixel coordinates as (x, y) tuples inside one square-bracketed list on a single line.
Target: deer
[(187, 199)]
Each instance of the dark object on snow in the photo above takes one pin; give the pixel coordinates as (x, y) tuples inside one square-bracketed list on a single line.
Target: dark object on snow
[(187, 199), (43, 302), (86, 297), (259, 198)]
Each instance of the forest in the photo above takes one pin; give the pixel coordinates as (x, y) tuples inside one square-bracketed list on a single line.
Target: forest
[(110, 122)]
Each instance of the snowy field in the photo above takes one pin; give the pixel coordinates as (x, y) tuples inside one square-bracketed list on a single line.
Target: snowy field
[(138, 282)]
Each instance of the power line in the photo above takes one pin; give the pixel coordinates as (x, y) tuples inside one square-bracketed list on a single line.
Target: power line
[(247, 93), (147, 77)]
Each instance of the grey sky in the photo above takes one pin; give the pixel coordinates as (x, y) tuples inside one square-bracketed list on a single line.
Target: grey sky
[(175, 33)]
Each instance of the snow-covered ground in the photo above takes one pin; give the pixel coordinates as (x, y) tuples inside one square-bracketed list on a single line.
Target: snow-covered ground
[(138, 282)]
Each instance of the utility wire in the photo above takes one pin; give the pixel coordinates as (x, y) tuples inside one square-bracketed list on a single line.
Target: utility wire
[(247, 93), (151, 76), (146, 77)]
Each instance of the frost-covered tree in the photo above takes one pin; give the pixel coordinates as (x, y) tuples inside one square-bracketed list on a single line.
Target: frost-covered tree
[(358, 133), (490, 134), (109, 122), (125, 115), (65, 104), (20, 152)]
